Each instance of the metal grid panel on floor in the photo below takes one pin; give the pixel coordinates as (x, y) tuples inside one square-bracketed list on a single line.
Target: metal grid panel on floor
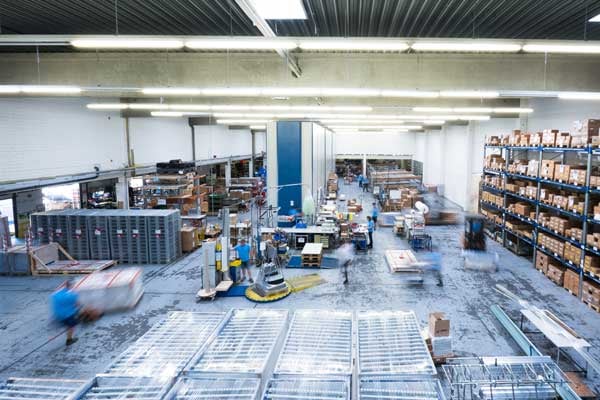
[(222, 388), (113, 388), (394, 388), (167, 347), (390, 343), (43, 389), (307, 388), (318, 342), (244, 344)]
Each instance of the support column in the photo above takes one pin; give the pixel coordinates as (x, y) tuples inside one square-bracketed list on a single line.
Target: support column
[(364, 165), (193, 142), (471, 203), (228, 174), (122, 189), (252, 155)]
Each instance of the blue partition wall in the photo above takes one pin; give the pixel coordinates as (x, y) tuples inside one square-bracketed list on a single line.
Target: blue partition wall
[(289, 165)]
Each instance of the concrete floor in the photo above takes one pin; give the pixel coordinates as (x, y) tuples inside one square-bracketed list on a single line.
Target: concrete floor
[(30, 345)]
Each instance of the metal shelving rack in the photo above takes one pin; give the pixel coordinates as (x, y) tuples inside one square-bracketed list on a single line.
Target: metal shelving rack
[(168, 346), (390, 343), (507, 152), (319, 342), (43, 389), (211, 388)]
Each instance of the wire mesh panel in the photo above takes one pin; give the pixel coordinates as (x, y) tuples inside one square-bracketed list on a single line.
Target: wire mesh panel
[(168, 346), (244, 344), (199, 388), (43, 389), (307, 388), (390, 342), (103, 388), (318, 343), (504, 378), (394, 388)]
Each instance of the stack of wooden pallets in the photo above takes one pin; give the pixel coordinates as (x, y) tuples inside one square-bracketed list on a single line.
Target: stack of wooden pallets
[(312, 254), (401, 261)]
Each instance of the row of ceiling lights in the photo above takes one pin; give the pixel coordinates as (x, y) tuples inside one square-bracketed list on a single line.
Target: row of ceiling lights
[(338, 44)]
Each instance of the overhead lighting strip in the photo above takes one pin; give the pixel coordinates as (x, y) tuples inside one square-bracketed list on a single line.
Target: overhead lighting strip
[(484, 110)]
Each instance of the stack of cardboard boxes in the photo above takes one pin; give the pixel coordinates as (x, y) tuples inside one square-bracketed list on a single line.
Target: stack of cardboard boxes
[(492, 198), (494, 181), (591, 294), (571, 282), (521, 208), (575, 234), (332, 182), (495, 162), (550, 243), (585, 132), (572, 253), (440, 340), (515, 186), (518, 167), (549, 137)]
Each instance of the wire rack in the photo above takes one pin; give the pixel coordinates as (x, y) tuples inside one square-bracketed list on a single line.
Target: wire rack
[(504, 378), (46, 389), (394, 388), (199, 388), (112, 388), (307, 388), (168, 346), (390, 343), (318, 343), (244, 344)]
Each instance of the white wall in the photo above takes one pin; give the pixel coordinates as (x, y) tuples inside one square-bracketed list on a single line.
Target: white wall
[(220, 141), (374, 143), (45, 137), (560, 114), (160, 139)]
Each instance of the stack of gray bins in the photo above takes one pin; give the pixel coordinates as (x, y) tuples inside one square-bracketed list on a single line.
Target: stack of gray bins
[(129, 236), (58, 226), (39, 228), (78, 243), (163, 236), (99, 234)]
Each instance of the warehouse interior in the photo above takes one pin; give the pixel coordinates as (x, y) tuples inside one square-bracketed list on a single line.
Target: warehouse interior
[(299, 199)]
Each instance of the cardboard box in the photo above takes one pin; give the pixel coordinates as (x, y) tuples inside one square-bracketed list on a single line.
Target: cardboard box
[(561, 172), (438, 325), (533, 167), (577, 176), (563, 139), (549, 137), (522, 209), (571, 282), (547, 169), (188, 239), (587, 129), (535, 139), (441, 346), (541, 262), (524, 139)]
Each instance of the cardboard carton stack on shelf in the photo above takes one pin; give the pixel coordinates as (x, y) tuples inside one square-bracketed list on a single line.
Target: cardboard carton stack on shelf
[(571, 281), (494, 181), (551, 244), (541, 262), (518, 167), (549, 137), (183, 192), (585, 132), (515, 187), (495, 162), (556, 273), (591, 294), (492, 198), (521, 208), (494, 216), (591, 264), (575, 234), (493, 141), (332, 182), (572, 253)]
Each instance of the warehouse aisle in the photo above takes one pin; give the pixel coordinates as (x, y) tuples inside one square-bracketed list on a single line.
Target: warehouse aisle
[(466, 298)]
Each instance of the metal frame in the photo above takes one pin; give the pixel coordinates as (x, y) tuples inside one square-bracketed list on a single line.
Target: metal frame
[(395, 387), (243, 345), (168, 346), (308, 388), (318, 342), (43, 389), (390, 343), (118, 388), (504, 377), (223, 388)]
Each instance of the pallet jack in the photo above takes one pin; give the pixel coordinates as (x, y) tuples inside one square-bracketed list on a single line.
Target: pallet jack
[(474, 247), (269, 285)]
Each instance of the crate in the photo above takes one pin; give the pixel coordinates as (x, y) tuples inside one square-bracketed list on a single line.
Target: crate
[(99, 235), (77, 235), (164, 236), (129, 237)]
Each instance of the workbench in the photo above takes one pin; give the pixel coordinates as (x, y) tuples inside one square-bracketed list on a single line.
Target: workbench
[(319, 234)]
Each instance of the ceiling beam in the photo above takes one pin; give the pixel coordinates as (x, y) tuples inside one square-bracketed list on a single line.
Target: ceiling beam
[(266, 30)]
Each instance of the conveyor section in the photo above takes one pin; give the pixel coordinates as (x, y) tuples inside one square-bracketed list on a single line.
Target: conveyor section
[(390, 343), (168, 346), (244, 344), (212, 388), (307, 388), (43, 389), (318, 343)]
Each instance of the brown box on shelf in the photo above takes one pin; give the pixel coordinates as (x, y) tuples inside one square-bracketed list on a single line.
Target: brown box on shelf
[(591, 288), (589, 299), (493, 140), (571, 282), (541, 262), (561, 172), (556, 274), (438, 325), (579, 141), (576, 234), (594, 181), (549, 137), (515, 138), (524, 139), (532, 215), (522, 209), (591, 262), (587, 128), (577, 176), (532, 167), (535, 139), (563, 139), (547, 169), (572, 253), (531, 191)]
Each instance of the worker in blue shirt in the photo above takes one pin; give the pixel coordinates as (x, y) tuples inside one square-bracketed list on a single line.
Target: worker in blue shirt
[(243, 250), (66, 310), (370, 228), (360, 180), (374, 215), (365, 184)]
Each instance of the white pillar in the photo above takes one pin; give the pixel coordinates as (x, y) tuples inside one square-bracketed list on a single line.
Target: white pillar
[(470, 200), (271, 164), (228, 174), (122, 189), (364, 166)]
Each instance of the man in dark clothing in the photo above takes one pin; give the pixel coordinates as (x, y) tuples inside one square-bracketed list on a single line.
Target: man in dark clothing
[(370, 228)]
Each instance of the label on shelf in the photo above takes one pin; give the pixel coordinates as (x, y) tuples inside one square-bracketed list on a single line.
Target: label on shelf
[(78, 231), (162, 202), (157, 232), (40, 229), (135, 231), (59, 231), (97, 232), (119, 231)]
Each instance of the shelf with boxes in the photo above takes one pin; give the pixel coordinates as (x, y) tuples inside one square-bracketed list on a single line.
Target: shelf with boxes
[(185, 192), (537, 189)]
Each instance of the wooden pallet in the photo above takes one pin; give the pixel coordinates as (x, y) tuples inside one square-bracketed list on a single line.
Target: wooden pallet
[(311, 264), (70, 268), (569, 290), (592, 306)]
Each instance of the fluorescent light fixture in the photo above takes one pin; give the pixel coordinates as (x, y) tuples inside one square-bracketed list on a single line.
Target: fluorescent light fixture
[(470, 46), (258, 127), (279, 9), (241, 43), (376, 127), (290, 92), (171, 91), (564, 48), (434, 122), (148, 106), (166, 114), (362, 121), (241, 121), (241, 92), (127, 43), (595, 19), (349, 92), (50, 89), (433, 109), (512, 110), (107, 106), (473, 117), (410, 94), (9, 89), (189, 107), (475, 94), (579, 96), (350, 44), (484, 110)]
